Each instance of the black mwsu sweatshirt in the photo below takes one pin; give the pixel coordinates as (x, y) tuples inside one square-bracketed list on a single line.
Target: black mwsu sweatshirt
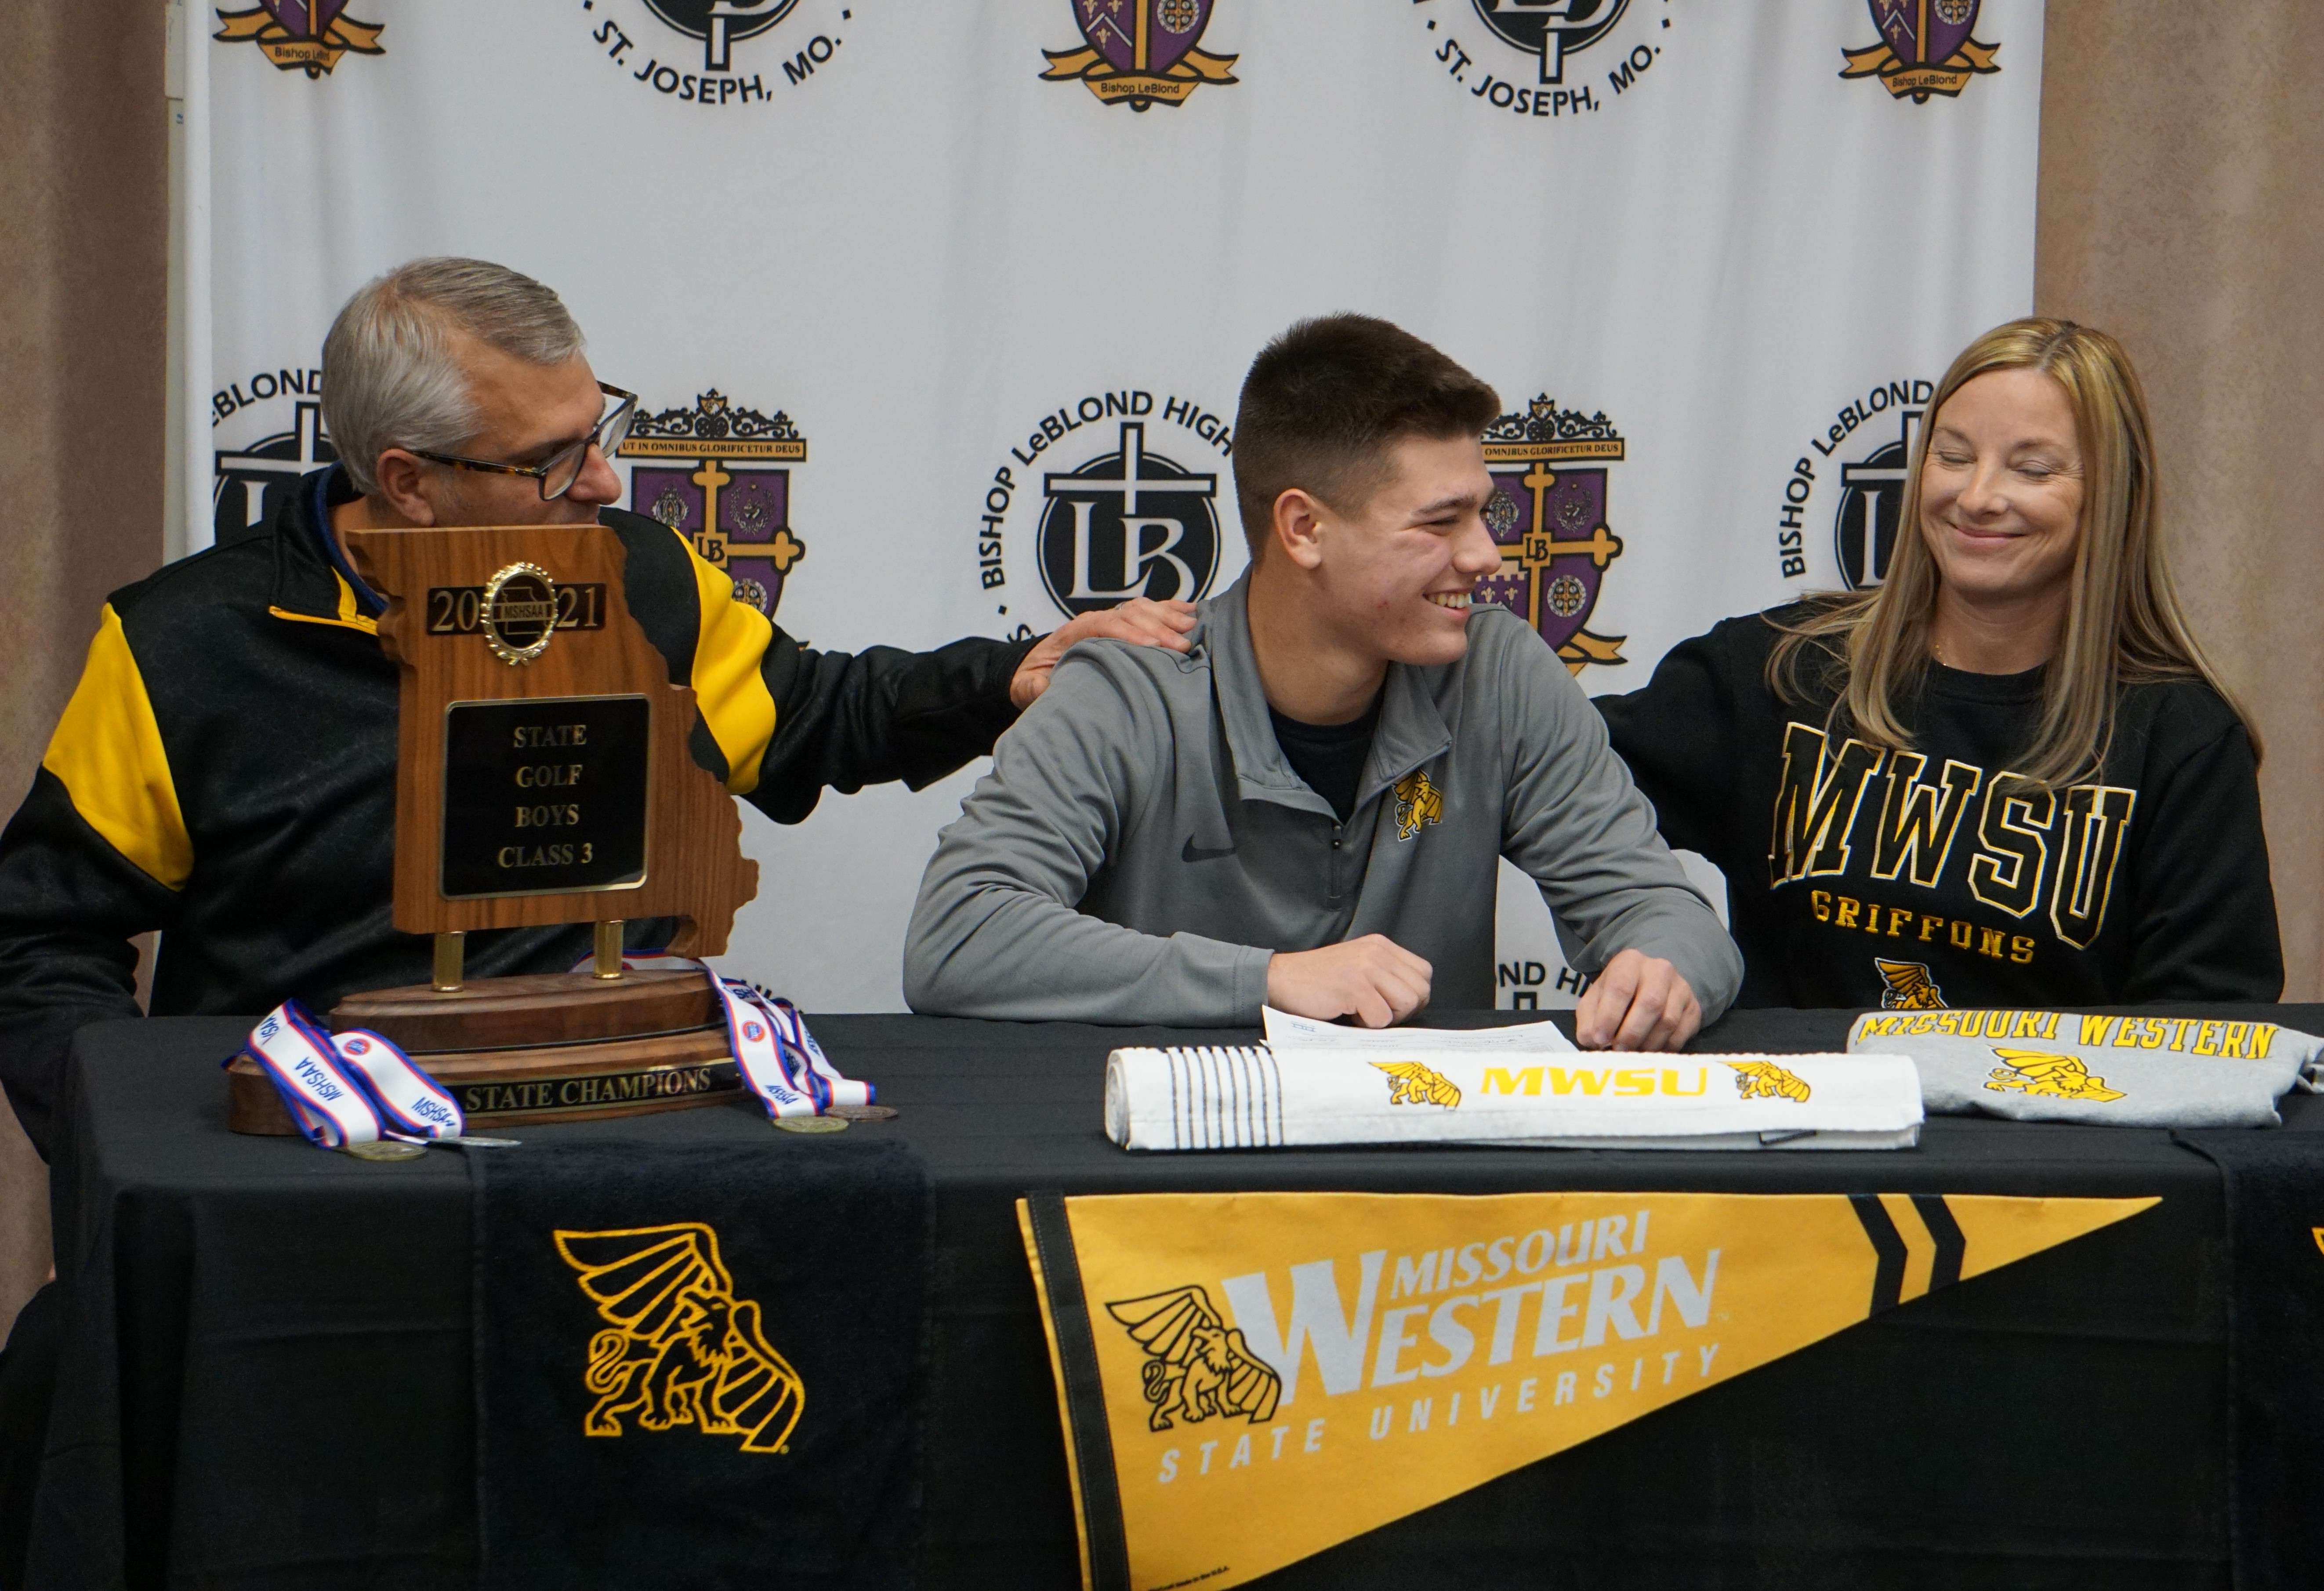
[(1859, 876)]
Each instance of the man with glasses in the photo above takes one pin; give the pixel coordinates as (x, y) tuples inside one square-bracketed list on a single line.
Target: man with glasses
[(225, 770)]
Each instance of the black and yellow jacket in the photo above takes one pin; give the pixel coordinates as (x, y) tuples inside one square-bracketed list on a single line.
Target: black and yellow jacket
[(1935, 877), (225, 773)]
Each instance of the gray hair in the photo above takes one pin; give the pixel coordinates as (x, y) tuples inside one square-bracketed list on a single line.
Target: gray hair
[(390, 379)]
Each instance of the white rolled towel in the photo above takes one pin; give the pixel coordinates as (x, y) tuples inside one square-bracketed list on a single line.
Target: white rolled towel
[(1255, 1097)]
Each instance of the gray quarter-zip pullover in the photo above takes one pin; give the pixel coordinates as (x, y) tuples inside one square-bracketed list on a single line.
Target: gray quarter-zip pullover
[(1141, 847)]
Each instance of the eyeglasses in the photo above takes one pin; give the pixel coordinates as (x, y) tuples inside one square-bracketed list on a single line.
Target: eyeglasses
[(557, 476)]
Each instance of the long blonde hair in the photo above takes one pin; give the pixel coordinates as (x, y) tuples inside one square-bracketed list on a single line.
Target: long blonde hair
[(2123, 622)]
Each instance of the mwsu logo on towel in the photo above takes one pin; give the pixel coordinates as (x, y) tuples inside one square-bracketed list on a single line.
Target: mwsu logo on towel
[(1525, 57), (718, 475), (1109, 495)]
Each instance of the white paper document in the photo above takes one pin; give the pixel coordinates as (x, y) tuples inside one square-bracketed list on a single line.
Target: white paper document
[(1286, 1032)]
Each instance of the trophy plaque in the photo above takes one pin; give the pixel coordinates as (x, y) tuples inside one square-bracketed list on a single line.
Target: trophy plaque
[(543, 776)]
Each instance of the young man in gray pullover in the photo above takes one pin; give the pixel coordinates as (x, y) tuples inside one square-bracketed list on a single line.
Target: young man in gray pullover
[(1306, 809)]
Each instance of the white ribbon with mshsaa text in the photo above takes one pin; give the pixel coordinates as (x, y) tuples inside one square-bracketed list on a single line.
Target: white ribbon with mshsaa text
[(350, 1087), (778, 1057)]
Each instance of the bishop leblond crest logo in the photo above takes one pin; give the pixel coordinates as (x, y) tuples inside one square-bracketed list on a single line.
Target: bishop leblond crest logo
[(1924, 48), (1140, 52), (302, 35), (723, 487), (1548, 512), (679, 1348)]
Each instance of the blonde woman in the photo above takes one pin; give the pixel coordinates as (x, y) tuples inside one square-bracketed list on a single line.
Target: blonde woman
[(2006, 776)]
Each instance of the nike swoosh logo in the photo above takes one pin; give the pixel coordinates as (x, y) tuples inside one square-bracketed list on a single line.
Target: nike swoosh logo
[(1194, 852)]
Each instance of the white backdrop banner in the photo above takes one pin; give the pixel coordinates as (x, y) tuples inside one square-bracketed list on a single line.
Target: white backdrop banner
[(915, 291)]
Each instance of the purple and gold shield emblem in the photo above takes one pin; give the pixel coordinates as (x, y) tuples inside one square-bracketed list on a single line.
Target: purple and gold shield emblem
[(1548, 513), (1140, 52), (714, 479), (1924, 48), (302, 35)]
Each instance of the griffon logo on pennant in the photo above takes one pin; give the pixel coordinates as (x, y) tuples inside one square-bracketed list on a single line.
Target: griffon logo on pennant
[(1551, 523), (301, 36), (736, 513), (1140, 52), (1924, 48)]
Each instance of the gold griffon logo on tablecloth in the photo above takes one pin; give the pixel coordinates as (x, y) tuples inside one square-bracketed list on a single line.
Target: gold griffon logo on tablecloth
[(683, 1349), (2042, 1072), (1199, 1366)]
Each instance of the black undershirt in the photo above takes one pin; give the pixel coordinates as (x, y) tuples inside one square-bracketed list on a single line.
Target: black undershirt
[(1329, 756)]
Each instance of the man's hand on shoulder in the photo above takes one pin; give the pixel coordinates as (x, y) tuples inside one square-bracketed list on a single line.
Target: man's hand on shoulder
[(1139, 621), (1637, 1002), (1373, 979)]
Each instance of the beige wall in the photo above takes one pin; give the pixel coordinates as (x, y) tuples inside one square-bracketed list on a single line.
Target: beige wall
[(84, 185), (2181, 209)]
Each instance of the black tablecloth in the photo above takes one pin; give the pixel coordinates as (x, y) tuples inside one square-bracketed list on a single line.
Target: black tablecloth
[(268, 1378)]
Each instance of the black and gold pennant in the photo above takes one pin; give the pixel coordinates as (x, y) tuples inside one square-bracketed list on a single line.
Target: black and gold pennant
[(1247, 1379)]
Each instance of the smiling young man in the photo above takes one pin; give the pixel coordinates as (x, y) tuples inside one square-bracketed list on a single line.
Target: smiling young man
[(1307, 808)]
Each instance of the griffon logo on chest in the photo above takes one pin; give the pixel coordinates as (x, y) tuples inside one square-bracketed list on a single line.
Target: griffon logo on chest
[(1417, 804)]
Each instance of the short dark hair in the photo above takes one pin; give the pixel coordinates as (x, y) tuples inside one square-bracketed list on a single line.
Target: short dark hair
[(1323, 401)]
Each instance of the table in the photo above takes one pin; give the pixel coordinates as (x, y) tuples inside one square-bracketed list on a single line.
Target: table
[(237, 1410)]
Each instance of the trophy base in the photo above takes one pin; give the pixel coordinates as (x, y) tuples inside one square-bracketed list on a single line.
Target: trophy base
[(556, 1047)]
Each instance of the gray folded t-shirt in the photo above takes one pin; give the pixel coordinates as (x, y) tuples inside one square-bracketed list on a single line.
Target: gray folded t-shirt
[(2122, 1071)]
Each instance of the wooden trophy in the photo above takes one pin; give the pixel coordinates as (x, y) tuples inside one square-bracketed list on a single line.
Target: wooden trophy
[(542, 777)]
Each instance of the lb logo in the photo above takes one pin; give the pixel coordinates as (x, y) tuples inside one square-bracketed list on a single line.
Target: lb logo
[(1197, 1366), (1924, 48), (1548, 512), (681, 1349), (1140, 52)]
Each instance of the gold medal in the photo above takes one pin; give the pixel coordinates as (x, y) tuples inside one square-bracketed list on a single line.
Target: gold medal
[(811, 1124), (864, 1113), (384, 1149)]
